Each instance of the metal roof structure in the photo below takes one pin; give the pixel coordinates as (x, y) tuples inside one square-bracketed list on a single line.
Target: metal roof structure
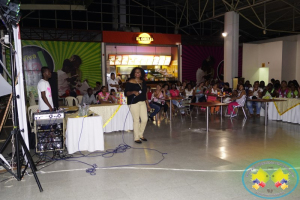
[(198, 21)]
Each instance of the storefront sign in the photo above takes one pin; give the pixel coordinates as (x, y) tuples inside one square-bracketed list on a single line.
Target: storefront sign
[(144, 38), (139, 60)]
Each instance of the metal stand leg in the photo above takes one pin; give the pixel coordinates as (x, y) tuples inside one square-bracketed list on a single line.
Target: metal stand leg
[(221, 106), (266, 113), (207, 119), (170, 110)]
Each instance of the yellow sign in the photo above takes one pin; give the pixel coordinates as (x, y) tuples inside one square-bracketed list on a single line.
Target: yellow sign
[(144, 38)]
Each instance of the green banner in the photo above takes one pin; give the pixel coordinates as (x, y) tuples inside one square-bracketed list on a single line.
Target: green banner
[(54, 54)]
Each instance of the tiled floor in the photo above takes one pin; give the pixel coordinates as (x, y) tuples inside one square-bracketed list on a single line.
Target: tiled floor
[(196, 166)]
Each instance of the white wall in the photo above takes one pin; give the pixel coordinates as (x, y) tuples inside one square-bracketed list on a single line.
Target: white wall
[(250, 65), (254, 55), (291, 55), (289, 52), (271, 55)]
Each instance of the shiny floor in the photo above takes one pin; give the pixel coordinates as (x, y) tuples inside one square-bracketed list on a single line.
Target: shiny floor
[(197, 165)]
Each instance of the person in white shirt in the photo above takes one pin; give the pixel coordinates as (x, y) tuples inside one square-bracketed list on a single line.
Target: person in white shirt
[(89, 98), (63, 77), (200, 75), (254, 92), (44, 91), (113, 83)]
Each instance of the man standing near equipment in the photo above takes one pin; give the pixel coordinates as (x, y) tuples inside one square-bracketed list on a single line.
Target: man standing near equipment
[(113, 83), (44, 91)]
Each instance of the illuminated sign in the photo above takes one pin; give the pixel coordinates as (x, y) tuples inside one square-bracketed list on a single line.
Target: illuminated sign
[(139, 60), (144, 38)]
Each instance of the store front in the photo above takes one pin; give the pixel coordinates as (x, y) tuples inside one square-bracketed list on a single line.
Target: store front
[(157, 54)]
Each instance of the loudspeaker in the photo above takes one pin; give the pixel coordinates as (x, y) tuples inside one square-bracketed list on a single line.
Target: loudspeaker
[(54, 89)]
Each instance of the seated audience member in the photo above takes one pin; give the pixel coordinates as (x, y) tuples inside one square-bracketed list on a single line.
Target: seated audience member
[(153, 107), (247, 86), (178, 85), (104, 96), (189, 92), (293, 93), (165, 87), (113, 95), (284, 90), (262, 85), (268, 92), (212, 97), (183, 87), (98, 86), (255, 92), (276, 89), (168, 95), (273, 81), (296, 84), (175, 93), (158, 99), (226, 88), (238, 100), (89, 98), (200, 93), (290, 83)]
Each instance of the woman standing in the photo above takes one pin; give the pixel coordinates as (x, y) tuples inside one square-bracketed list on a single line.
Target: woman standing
[(136, 91)]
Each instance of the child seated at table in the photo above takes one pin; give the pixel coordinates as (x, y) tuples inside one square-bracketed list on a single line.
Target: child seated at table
[(104, 96), (213, 97)]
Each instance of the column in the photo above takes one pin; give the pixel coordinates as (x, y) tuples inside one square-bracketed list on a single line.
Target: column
[(231, 46)]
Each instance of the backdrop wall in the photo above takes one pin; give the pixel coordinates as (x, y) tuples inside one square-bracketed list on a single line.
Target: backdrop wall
[(37, 54), (278, 57), (193, 56)]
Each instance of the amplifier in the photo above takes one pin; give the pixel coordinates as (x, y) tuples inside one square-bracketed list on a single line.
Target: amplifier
[(49, 128)]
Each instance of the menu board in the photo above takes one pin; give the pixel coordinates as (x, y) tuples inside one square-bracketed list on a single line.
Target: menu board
[(139, 60)]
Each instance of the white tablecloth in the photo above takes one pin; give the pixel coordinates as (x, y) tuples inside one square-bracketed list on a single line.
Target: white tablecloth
[(114, 116), (292, 115), (91, 138)]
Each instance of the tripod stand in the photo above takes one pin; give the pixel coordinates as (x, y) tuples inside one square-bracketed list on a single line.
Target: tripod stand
[(16, 137)]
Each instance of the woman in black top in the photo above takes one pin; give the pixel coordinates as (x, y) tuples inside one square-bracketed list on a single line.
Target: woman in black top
[(136, 91)]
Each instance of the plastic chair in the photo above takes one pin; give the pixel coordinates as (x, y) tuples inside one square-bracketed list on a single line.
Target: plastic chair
[(30, 111), (241, 105), (79, 99), (185, 106), (69, 101), (31, 99)]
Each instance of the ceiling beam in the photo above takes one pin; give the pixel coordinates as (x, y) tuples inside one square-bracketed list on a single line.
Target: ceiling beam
[(239, 9), (52, 7)]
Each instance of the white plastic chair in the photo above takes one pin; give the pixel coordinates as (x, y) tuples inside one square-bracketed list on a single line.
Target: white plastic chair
[(241, 105), (31, 99), (30, 111), (69, 101), (79, 99), (185, 106)]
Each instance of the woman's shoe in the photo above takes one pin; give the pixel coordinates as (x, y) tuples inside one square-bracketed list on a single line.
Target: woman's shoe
[(144, 139), (138, 141)]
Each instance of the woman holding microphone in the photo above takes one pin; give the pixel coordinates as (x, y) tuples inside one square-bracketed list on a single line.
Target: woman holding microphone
[(136, 92)]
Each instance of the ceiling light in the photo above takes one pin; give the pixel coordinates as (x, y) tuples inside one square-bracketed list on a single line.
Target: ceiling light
[(224, 34)]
